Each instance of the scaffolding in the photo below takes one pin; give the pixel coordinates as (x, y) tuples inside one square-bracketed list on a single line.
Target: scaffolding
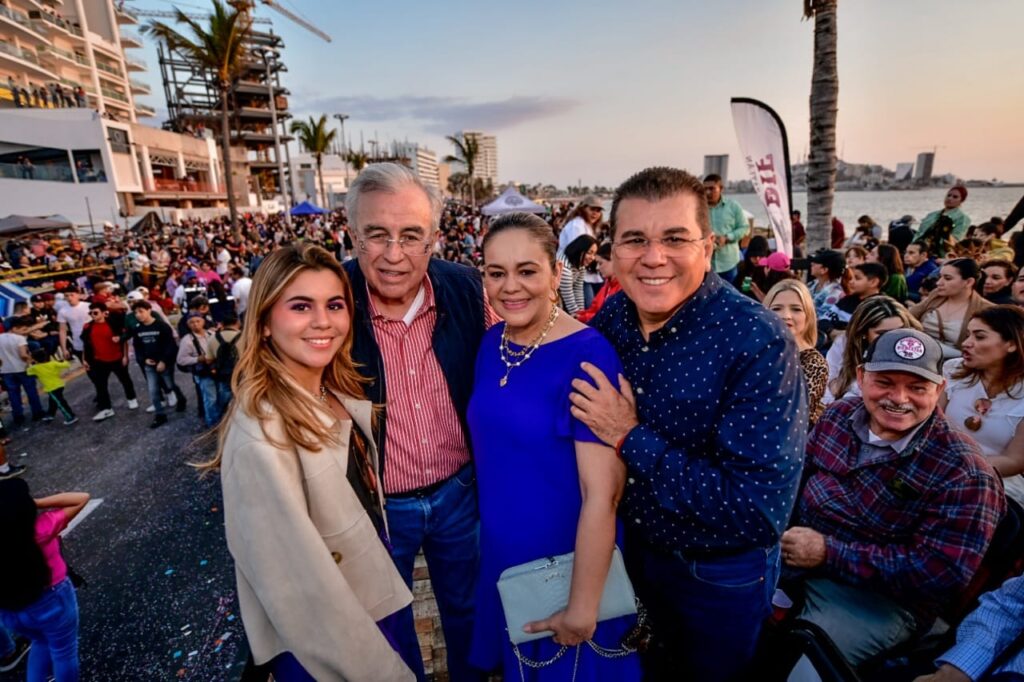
[(194, 105)]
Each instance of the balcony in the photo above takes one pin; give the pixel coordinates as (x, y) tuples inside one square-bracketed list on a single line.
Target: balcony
[(26, 60), (22, 23), (187, 186), (14, 171), (110, 69), (130, 39), (125, 15), (144, 110), (51, 21), (135, 63), (71, 57), (138, 87), (114, 95)]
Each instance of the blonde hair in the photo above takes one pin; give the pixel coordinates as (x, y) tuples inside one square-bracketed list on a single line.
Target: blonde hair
[(810, 333), (261, 383)]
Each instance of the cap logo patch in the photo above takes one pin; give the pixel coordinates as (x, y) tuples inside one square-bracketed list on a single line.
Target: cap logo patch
[(909, 348)]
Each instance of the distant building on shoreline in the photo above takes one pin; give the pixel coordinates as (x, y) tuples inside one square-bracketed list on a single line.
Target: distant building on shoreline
[(924, 167), (487, 163)]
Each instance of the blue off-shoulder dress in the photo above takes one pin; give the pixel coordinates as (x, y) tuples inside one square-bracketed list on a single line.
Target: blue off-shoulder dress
[(523, 443)]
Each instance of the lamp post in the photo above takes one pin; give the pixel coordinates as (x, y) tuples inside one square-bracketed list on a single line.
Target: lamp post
[(344, 152), (269, 57)]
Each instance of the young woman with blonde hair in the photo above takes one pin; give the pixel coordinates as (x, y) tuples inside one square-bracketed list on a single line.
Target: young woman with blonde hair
[(303, 507), (791, 300)]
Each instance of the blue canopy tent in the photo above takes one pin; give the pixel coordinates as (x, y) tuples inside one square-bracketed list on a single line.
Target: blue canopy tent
[(306, 208)]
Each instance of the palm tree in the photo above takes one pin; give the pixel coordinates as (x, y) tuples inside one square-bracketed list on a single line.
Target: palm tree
[(357, 159), (467, 151), (316, 138), (219, 48), (821, 164), (457, 183)]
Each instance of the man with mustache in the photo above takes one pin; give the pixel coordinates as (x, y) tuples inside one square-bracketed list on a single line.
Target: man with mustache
[(897, 508)]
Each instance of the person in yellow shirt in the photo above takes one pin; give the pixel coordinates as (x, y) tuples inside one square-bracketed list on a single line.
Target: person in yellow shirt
[(48, 371)]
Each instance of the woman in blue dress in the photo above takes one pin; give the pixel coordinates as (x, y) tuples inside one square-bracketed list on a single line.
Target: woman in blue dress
[(547, 484)]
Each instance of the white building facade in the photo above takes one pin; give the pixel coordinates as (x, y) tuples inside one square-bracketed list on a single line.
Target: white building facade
[(487, 163)]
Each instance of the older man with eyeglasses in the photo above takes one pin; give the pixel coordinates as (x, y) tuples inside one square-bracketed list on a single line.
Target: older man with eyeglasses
[(417, 327), (711, 425)]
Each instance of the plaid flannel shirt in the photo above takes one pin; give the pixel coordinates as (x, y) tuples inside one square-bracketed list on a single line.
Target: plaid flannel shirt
[(913, 525)]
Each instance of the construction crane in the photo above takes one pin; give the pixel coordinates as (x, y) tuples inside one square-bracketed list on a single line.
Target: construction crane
[(246, 6)]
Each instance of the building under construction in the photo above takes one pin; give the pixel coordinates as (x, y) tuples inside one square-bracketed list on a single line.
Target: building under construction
[(194, 106)]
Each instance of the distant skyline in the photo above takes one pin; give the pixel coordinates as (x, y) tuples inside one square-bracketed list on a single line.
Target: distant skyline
[(592, 92)]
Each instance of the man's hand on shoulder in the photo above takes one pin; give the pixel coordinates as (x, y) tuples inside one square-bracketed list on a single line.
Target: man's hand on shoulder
[(609, 413)]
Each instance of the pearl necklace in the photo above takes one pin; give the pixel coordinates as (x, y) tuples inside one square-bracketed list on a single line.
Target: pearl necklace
[(519, 357)]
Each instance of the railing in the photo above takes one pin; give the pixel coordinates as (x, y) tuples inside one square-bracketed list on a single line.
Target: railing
[(139, 85), (113, 94), (137, 62), (19, 53), (127, 12), (17, 17), (71, 56), (144, 110), (17, 171), (113, 70), (59, 23), (85, 86), (178, 186), (131, 37)]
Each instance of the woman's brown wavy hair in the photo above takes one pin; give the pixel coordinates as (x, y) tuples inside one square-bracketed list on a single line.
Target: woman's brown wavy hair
[(260, 384)]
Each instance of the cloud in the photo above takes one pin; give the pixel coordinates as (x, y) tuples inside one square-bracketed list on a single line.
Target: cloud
[(444, 115)]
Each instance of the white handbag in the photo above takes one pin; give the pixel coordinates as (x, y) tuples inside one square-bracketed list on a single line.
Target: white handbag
[(539, 589)]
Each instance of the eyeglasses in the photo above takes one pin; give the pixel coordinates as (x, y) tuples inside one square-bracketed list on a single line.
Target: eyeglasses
[(982, 406), (94, 313), (379, 243), (635, 247)]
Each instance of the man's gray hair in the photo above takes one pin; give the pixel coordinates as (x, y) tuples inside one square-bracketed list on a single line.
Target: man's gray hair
[(390, 177)]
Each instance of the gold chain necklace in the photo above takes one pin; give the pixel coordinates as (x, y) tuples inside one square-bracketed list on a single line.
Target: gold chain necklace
[(323, 394), (519, 357)]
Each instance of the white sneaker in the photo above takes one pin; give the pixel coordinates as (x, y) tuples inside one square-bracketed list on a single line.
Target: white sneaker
[(151, 409), (172, 400), (103, 414), (133, 404)]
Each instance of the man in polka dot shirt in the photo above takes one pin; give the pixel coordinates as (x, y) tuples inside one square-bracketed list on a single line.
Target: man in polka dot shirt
[(711, 424)]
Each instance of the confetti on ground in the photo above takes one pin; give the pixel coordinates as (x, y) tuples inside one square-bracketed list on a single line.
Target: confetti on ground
[(193, 653), (231, 618), (203, 562), (177, 654), (184, 627), (169, 571), (226, 636)]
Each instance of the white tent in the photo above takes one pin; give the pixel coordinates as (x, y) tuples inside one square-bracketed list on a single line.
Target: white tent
[(509, 201)]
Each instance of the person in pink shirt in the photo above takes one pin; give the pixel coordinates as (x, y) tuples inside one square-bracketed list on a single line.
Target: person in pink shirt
[(37, 599)]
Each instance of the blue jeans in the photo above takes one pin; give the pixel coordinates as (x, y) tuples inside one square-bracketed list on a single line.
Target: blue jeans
[(223, 395), (206, 388), (159, 383), (706, 613), (446, 524), (52, 625), (14, 382)]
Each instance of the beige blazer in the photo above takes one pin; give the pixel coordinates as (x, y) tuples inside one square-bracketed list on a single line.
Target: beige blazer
[(313, 576)]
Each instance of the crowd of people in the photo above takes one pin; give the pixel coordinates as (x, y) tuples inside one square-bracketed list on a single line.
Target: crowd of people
[(649, 403)]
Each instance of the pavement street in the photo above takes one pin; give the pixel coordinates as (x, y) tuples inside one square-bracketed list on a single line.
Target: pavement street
[(160, 601)]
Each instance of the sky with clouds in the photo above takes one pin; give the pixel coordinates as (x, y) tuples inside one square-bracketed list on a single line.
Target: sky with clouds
[(593, 91)]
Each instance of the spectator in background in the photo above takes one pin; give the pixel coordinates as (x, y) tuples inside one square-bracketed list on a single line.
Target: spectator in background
[(959, 220), (901, 233), (1017, 290), (582, 220), (611, 285), (48, 371), (14, 359), (105, 354), (920, 265), (729, 224), (240, 285), (156, 351), (799, 233), (791, 301), (224, 348), (997, 281), (944, 314), (577, 256), (750, 267), (838, 233), (194, 356), (896, 284), (776, 269), (866, 280), (827, 267), (876, 316), (984, 396)]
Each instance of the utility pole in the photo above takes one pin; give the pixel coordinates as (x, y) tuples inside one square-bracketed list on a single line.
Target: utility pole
[(269, 57), (344, 152)]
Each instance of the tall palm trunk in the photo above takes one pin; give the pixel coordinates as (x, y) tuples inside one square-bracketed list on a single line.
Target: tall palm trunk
[(821, 165), (320, 174), (225, 149)]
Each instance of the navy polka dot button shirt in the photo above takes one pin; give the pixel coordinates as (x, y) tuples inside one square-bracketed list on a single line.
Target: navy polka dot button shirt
[(715, 462)]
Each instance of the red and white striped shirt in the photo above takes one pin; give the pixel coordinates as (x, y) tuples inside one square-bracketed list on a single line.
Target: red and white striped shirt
[(425, 442)]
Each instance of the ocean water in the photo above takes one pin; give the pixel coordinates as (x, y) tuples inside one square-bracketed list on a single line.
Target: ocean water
[(982, 203)]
